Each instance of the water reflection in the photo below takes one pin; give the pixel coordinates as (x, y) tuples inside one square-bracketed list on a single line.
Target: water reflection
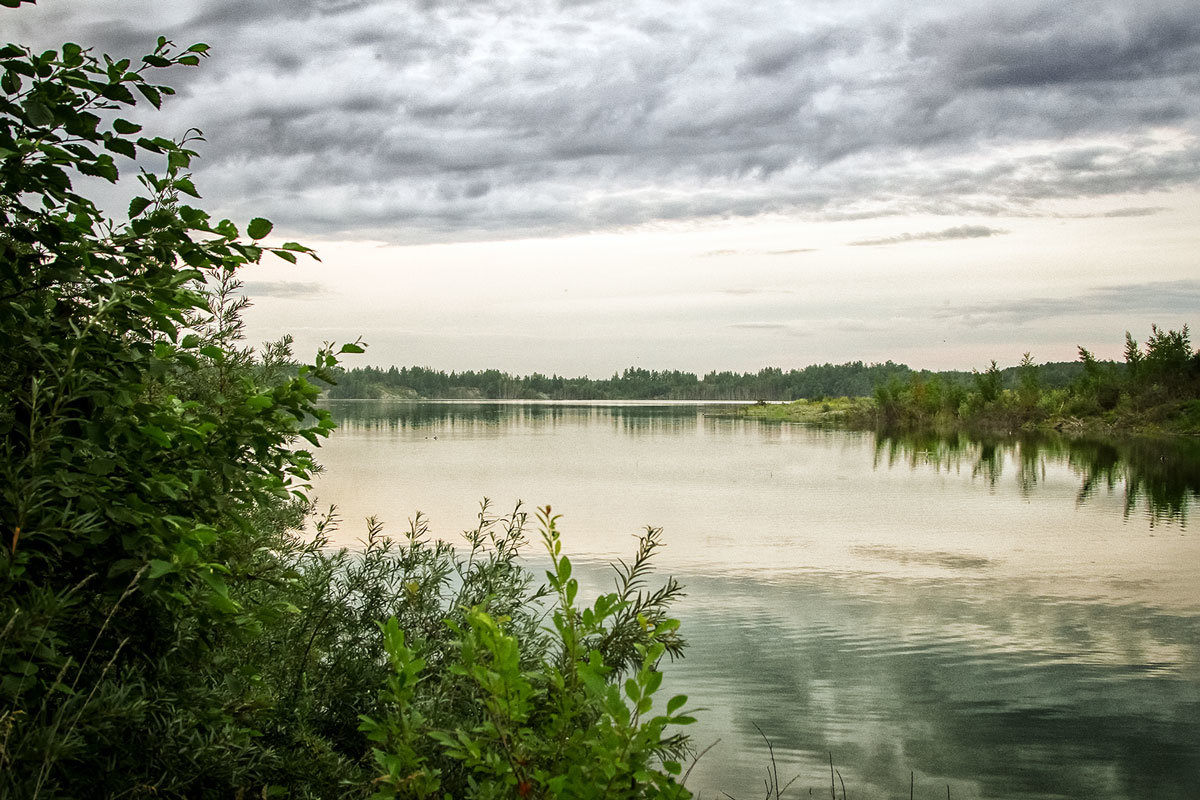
[(1159, 476), (491, 417), (994, 691), (1014, 617)]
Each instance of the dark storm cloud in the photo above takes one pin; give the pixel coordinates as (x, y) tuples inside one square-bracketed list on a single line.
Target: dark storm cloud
[(947, 235), (438, 121), (1170, 300)]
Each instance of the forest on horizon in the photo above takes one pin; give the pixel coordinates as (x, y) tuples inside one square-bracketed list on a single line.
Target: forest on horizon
[(817, 381)]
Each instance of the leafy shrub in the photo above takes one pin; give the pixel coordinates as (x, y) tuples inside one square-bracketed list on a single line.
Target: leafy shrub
[(518, 713), (138, 447), (163, 629)]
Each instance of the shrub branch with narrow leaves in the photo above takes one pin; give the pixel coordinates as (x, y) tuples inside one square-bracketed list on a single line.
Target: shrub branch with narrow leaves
[(568, 714)]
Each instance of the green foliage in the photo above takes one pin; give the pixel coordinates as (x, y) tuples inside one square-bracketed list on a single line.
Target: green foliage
[(1029, 389), (1169, 361), (144, 451), (771, 383), (163, 630), (1133, 358), (816, 382), (519, 712), (988, 384)]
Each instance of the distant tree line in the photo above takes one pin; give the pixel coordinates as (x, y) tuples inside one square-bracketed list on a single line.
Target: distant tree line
[(852, 379)]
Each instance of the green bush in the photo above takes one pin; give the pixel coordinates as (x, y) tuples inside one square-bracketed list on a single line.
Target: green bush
[(164, 631), (139, 446), (506, 709)]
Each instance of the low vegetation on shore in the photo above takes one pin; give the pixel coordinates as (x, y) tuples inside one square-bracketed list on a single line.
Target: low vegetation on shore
[(1156, 390)]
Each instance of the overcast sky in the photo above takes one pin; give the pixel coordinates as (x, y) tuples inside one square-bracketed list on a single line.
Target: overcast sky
[(577, 187)]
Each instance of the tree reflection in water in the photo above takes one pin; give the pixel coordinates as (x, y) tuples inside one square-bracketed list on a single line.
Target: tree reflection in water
[(1160, 475)]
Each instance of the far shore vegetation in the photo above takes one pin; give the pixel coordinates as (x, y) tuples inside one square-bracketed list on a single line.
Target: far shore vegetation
[(1156, 389)]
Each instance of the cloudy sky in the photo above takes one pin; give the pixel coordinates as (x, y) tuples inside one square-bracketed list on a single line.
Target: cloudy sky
[(577, 187)]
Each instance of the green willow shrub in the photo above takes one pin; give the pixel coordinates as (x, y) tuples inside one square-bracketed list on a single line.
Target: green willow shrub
[(138, 448), (164, 631), (518, 714)]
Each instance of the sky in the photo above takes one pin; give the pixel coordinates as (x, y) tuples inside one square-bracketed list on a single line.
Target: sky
[(578, 187)]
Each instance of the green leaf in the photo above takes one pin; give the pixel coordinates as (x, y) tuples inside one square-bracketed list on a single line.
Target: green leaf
[(213, 352), (159, 568), (157, 434), (118, 92), (137, 205), (125, 127), (178, 159), (151, 93), (258, 228), (350, 347), (38, 113), (675, 703), (102, 466), (122, 146), (186, 186), (219, 599)]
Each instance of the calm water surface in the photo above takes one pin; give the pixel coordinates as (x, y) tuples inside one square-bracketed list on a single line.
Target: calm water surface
[(1012, 619)]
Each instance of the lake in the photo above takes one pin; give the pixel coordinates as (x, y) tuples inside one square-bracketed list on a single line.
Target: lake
[(1012, 618)]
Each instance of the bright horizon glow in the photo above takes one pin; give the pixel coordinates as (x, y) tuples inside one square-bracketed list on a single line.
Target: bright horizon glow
[(742, 295)]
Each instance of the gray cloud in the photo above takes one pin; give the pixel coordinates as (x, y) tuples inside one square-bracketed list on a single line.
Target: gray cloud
[(759, 326), (285, 289), (422, 121), (949, 234), (1032, 45), (750, 252), (1134, 211), (1167, 299)]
